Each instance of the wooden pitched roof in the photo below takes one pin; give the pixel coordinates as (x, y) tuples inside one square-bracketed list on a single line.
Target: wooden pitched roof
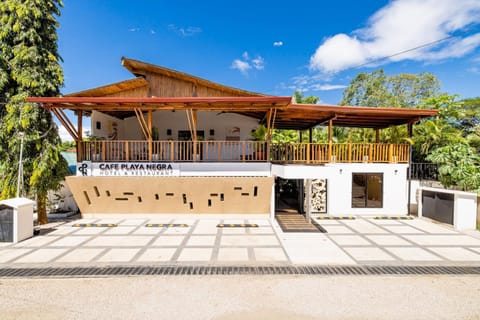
[(113, 88), (140, 68)]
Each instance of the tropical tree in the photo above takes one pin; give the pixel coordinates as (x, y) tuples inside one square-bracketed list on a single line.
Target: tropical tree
[(459, 166), (29, 63), (441, 130), (376, 89)]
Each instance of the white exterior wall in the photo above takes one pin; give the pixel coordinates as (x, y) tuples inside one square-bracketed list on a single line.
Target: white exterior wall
[(464, 208), (221, 123), (107, 123), (339, 185)]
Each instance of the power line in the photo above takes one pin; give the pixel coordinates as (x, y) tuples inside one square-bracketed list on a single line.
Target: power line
[(401, 52)]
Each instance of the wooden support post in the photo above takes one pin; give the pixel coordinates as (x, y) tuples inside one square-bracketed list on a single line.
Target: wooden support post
[(330, 139), (79, 146), (195, 138), (150, 136), (310, 133), (377, 135)]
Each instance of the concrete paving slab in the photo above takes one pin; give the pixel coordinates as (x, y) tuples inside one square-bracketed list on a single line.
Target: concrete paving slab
[(41, 256), (233, 254), (313, 248), (368, 254), (430, 227), (456, 253), (167, 241), (69, 241), (119, 255), (234, 231), (249, 240), (327, 222), (413, 254), (387, 222), (270, 254), (337, 229), (119, 241), (345, 240), (475, 249), (60, 231), (81, 255), (182, 230), (363, 226), (261, 230), (443, 240), (89, 230), (201, 240), (388, 240), (38, 241), (403, 230), (195, 254), (148, 231), (120, 230), (7, 255), (157, 254)]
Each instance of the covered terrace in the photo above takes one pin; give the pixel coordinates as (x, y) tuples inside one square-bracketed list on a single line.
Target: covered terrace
[(273, 112)]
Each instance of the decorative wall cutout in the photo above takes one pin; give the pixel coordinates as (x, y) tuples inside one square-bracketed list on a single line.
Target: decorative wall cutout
[(319, 196), (196, 195), (86, 197)]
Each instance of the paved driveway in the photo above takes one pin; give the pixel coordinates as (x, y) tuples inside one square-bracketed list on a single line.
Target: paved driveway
[(359, 241)]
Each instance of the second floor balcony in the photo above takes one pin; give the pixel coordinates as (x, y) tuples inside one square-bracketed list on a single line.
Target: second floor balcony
[(240, 151)]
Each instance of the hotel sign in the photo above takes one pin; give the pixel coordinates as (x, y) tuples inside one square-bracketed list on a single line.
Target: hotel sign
[(126, 169)]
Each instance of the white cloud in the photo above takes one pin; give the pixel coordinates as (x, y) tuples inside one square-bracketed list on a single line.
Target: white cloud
[(242, 66), (402, 25), (327, 87), (134, 29), (184, 32), (316, 82), (258, 63), (245, 64), (278, 43), (152, 31)]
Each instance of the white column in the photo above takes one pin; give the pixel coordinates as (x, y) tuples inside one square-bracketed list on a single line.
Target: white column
[(308, 199), (272, 204)]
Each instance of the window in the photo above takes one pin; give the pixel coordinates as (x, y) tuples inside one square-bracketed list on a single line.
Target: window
[(367, 190)]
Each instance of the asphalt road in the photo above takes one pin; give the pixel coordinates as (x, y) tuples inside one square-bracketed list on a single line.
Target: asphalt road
[(243, 297)]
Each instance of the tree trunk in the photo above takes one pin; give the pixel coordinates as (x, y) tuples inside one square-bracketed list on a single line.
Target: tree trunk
[(42, 207)]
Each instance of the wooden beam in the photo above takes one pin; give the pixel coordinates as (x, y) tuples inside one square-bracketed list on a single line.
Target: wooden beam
[(65, 122), (377, 135), (143, 124)]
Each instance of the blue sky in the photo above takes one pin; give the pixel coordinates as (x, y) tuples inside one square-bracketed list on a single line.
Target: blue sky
[(273, 47)]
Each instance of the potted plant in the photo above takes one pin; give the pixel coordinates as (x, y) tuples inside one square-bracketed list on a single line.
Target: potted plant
[(259, 149)]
